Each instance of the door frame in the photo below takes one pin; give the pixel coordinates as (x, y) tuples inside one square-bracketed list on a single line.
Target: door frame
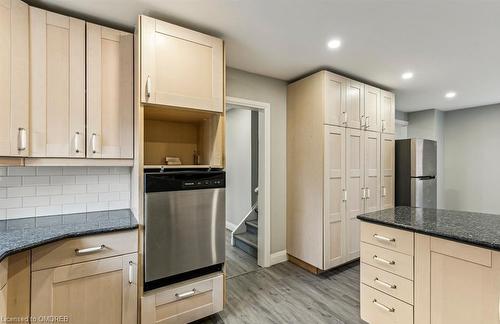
[(264, 233)]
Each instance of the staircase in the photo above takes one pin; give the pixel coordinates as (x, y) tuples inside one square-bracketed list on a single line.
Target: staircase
[(247, 241)]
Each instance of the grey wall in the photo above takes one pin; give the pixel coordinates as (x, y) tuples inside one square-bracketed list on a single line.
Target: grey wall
[(238, 164), (472, 158), (255, 87), (401, 115)]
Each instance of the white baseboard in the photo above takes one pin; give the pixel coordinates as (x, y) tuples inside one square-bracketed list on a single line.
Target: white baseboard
[(278, 257), (231, 226)]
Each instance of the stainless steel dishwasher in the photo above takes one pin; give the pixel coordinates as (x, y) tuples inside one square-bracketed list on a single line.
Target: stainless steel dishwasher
[(184, 225)]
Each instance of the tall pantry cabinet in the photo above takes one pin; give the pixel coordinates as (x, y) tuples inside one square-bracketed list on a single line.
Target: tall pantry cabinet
[(339, 165)]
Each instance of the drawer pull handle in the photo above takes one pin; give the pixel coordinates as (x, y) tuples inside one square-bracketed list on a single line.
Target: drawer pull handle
[(383, 238), (382, 306), (90, 250), (186, 294), (385, 284), (376, 258)]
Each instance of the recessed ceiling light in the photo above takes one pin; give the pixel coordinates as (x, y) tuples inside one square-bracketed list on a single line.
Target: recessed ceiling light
[(334, 43), (407, 75), (450, 94)]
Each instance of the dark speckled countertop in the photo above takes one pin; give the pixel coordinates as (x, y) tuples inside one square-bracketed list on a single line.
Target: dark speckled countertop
[(18, 235), (472, 228)]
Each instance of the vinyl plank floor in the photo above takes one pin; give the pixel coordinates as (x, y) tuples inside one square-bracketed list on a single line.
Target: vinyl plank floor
[(285, 293), (237, 261)]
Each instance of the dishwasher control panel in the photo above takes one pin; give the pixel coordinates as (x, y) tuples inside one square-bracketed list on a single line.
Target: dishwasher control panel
[(184, 180)]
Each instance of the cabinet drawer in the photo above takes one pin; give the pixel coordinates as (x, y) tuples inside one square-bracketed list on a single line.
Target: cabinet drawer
[(387, 282), (380, 308), (394, 262), (184, 302), (81, 249), (387, 237)]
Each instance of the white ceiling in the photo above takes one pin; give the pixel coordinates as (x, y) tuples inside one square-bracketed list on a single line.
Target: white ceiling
[(449, 45)]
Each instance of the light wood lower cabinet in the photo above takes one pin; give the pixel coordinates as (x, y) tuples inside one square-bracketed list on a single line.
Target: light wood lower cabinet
[(184, 302), (387, 161), (101, 291), (14, 78), (109, 93)]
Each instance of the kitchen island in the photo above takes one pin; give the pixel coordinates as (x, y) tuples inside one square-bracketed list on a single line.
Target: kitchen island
[(429, 266)]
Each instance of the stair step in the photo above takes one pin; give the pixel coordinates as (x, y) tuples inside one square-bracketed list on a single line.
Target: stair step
[(246, 242), (252, 226)]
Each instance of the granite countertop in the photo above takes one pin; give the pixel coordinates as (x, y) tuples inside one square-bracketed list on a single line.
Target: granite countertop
[(22, 234), (473, 228)]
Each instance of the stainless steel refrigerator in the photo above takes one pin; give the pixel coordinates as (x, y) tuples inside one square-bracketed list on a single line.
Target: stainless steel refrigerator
[(416, 173)]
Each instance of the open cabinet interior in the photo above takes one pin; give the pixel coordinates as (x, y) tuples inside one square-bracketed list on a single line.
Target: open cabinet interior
[(195, 137)]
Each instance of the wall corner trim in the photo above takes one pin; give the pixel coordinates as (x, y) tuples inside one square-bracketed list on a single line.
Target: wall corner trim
[(278, 257)]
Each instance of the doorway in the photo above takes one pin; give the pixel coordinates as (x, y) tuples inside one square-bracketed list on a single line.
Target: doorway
[(247, 185)]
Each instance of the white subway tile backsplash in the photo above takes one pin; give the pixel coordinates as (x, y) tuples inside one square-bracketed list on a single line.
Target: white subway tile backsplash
[(109, 196), (75, 171), (119, 204), (21, 212), (86, 198), (36, 201), (49, 210), (11, 203), (102, 205), (74, 189), (48, 190), (49, 171), (10, 182), (103, 187), (88, 179), (74, 208), (36, 180), (62, 180), (14, 192), (20, 171), (62, 199), (42, 191)]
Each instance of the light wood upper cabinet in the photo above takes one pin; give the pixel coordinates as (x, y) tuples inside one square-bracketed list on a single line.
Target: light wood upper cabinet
[(335, 99), (57, 85), (372, 171), (388, 107), (103, 291), (387, 159), (14, 78), (371, 117), (355, 105), (180, 67), (335, 199), (109, 93)]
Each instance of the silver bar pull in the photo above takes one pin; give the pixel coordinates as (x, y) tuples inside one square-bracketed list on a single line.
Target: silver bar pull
[(130, 272), (90, 250), (387, 309), (21, 139), (363, 193), (186, 294), (383, 238), (148, 86), (94, 143), (77, 142), (383, 283), (384, 191), (362, 121), (367, 121), (344, 113), (383, 125), (381, 260), (368, 193), (345, 195)]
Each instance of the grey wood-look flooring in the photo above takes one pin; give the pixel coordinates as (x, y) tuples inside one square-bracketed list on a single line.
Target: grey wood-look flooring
[(285, 293), (237, 261)]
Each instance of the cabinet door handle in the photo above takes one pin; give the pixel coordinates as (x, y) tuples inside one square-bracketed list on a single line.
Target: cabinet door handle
[(383, 125), (77, 142), (344, 114), (363, 194), (148, 86), (383, 238), (384, 192), (130, 272), (382, 306), (362, 121), (367, 121), (21, 139), (383, 283), (368, 193), (94, 143), (381, 260), (90, 250), (186, 294), (345, 195)]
